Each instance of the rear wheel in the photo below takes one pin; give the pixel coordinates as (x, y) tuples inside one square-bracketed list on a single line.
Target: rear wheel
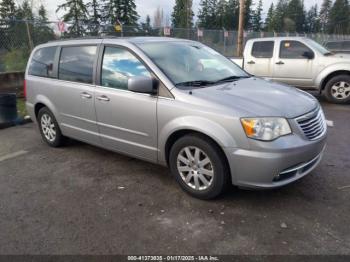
[(337, 89), (198, 166), (49, 129)]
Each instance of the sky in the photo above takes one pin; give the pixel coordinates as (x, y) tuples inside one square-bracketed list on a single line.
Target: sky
[(145, 7)]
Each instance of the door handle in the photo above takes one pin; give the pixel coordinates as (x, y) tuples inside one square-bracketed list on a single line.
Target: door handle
[(103, 98), (85, 95), (251, 62), (280, 63)]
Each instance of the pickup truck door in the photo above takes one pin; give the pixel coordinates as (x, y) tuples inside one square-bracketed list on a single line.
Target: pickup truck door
[(258, 59), (294, 64)]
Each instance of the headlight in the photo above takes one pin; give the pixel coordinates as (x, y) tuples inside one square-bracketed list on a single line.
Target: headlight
[(265, 128)]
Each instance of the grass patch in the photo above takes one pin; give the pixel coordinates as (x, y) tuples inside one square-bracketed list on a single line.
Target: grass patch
[(21, 107)]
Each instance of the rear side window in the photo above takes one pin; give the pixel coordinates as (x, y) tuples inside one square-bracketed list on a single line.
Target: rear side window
[(346, 45), (77, 63), (293, 50), (334, 45), (263, 49), (42, 62)]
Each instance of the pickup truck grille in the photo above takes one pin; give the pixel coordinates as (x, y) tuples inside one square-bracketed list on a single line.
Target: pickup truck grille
[(313, 124)]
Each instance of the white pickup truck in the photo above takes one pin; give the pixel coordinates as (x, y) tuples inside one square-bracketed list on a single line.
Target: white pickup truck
[(300, 62)]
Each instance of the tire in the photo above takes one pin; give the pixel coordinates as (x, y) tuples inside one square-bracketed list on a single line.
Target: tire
[(190, 144), (337, 89), (51, 133)]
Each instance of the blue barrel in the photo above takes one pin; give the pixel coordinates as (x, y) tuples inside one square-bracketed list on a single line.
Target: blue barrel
[(8, 108)]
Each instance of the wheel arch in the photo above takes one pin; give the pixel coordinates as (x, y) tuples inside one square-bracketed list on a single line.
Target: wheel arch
[(182, 132), (330, 75)]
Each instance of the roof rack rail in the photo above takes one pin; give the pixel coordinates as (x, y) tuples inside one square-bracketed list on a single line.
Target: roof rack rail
[(86, 38)]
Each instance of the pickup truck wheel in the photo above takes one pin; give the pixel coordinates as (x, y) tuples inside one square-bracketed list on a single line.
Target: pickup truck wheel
[(199, 167), (49, 129), (337, 89)]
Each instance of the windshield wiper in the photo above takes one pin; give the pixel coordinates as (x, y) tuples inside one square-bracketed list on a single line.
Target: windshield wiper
[(230, 79), (195, 83)]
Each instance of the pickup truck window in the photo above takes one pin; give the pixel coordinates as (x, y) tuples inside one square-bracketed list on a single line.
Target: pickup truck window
[(293, 50), (263, 49)]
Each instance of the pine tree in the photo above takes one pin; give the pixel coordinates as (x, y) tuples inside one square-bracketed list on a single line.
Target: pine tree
[(312, 20), (339, 17), (295, 16), (95, 16), (269, 21), (324, 14), (248, 15), (77, 15), (279, 15), (257, 19), (182, 16), (158, 18), (7, 9), (123, 11), (207, 14), (232, 14), (26, 11), (220, 14), (129, 13), (42, 32)]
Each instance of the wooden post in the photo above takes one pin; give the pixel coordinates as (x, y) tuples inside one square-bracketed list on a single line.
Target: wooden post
[(30, 41), (240, 28)]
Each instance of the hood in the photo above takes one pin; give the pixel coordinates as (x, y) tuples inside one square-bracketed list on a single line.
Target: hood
[(256, 97)]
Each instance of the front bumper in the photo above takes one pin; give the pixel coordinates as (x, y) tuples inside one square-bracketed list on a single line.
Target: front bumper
[(274, 164)]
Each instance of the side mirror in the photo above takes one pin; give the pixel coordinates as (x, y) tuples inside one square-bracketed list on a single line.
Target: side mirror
[(143, 84), (308, 55)]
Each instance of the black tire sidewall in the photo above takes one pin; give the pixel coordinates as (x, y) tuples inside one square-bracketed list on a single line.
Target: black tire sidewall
[(328, 91), (221, 174), (59, 138)]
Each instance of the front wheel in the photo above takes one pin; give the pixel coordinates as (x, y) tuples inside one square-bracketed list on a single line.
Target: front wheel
[(337, 89), (198, 165)]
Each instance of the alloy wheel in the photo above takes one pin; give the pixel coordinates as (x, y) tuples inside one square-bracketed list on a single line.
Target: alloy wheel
[(195, 168), (340, 90), (48, 127)]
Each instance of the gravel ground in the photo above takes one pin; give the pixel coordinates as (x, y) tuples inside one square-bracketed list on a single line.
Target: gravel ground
[(84, 200)]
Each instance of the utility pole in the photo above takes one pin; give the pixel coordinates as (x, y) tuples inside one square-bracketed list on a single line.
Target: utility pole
[(240, 28)]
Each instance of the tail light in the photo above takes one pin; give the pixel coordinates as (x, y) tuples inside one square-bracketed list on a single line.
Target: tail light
[(25, 88)]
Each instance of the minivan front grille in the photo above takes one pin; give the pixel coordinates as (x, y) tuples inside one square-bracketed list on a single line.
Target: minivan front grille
[(313, 124)]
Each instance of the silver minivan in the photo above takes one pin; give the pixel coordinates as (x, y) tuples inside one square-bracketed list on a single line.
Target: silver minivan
[(177, 103)]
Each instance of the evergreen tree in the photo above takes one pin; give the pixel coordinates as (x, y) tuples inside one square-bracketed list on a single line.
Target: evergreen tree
[(182, 16), (206, 14), (123, 11), (248, 15), (257, 19), (26, 11), (220, 14), (95, 17), (312, 20), (77, 15), (158, 18), (232, 14), (7, 9), (129, 14), (146, 27), (294, 16), (269, 21), (279, 15), (339, 17), (324, 14), (42, 32)]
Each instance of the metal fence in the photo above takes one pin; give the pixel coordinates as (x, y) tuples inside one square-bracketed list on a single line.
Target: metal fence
[(17, 38)]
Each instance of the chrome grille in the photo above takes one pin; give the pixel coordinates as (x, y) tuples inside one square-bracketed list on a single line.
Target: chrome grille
[(313, 124)]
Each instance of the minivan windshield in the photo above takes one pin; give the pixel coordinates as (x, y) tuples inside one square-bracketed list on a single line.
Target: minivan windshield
[(191, 64)]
